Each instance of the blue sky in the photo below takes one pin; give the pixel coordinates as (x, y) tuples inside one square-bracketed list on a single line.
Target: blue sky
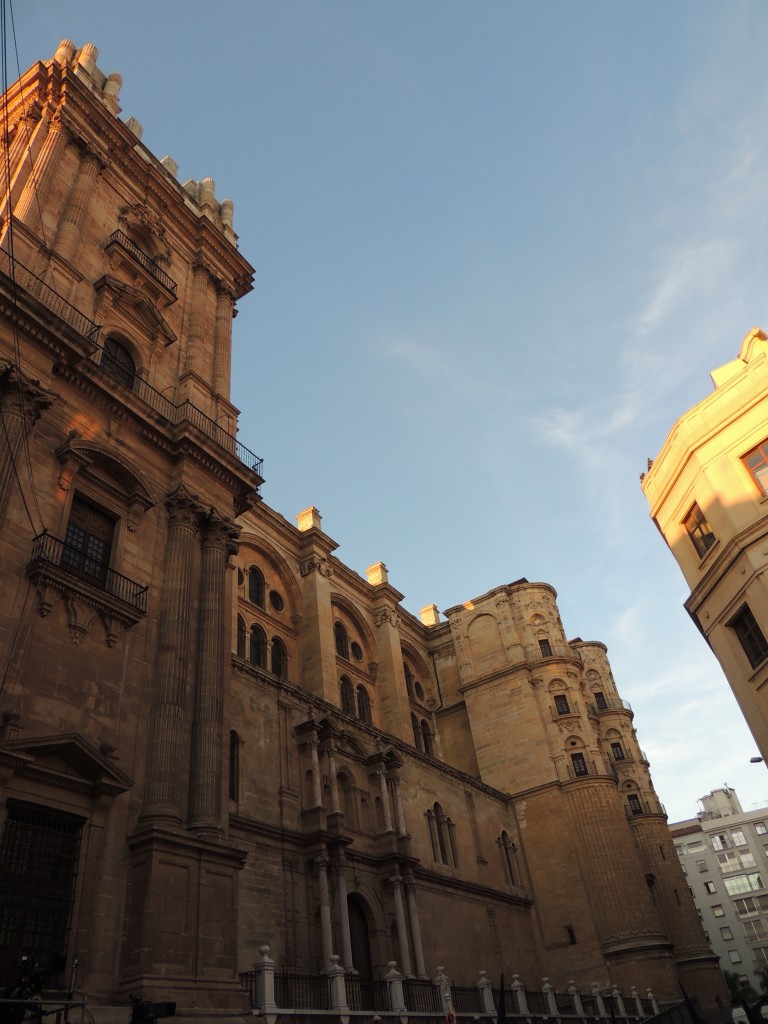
[(499, 247)]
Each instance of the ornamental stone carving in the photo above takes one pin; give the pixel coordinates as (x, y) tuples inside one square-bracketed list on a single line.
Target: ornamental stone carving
[(316, 563)]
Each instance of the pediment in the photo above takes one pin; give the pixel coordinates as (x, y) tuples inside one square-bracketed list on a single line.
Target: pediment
[(67, 761), (134, 300)]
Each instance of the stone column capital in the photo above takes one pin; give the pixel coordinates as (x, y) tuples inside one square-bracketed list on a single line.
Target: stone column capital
[(183, 508), (219, 532)]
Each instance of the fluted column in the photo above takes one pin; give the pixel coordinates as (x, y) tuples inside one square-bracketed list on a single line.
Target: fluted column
[(317, 791), (21, 403), (385, 800), (71, 223), (346, 937), (222, 341), (196, 325), (219, 541), (38, 179), (321, 863), (165, 753), (402, 930), (413, 917), (333, 781), (399, 812)]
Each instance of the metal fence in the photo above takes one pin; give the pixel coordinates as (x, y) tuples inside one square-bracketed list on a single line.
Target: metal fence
[(421, 996), (121, 239), (303, 991), (467, 999), (363, 994)]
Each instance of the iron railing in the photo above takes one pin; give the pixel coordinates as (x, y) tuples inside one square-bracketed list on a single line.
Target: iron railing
[(422, 996), (609, 704), (534, 654), (364, 994), (303, 991), (467, 999), (186, 412), (121, 239), (50, 550), (44, 293)]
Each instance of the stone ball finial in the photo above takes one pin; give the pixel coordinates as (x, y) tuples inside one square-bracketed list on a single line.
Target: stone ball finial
[(227, 212), (264, 949), (64, 52)]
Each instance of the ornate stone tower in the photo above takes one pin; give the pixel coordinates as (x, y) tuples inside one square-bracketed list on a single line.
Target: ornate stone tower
[(118, 287)]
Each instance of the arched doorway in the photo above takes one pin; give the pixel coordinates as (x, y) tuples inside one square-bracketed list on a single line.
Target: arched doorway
[(361, 949)]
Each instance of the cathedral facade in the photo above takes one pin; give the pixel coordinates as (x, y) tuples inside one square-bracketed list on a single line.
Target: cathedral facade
[(213, 733)]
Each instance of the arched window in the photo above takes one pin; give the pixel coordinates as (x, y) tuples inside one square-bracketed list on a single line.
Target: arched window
[(234, 765), (363, 705), (240, 637), (442, 832), (117, 360), (426, 736), (507, 848), (408, 679), (279, 658), (258, 653), (256, 586), (347, 696), (341, 640), (418, 736)]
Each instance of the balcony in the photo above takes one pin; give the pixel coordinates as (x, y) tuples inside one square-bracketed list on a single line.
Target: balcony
[(609, 704), (553, 651), (46, 295), (186, 412), (55, 565), (140, 258)]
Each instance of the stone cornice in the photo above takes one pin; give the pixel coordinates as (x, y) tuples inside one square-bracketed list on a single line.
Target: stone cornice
[(726, 560)]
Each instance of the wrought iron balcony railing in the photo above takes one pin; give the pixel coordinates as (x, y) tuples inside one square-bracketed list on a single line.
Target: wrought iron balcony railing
[(50, 551), (608, 704), (554, 649), (43, 292), (176, 414), (121, 239)]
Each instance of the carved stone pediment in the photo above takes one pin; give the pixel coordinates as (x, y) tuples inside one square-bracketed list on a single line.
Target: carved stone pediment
[(67, 762)]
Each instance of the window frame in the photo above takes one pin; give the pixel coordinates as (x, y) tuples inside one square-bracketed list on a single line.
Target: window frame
[(751, 638), (698, 529), (758, 472)]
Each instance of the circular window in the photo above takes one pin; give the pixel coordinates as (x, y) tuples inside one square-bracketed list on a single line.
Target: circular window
[(357, 651), (276, 601), (419, 691), (240, 577)]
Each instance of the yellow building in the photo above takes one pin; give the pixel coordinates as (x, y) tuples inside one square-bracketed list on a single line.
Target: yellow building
[(708, 493), (214, 734)]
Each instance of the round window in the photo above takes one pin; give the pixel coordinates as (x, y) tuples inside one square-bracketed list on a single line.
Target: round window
[(276, 601), (419, 691), (357, 651)]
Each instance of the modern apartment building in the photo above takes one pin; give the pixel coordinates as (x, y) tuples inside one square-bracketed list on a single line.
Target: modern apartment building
[(723, 852)]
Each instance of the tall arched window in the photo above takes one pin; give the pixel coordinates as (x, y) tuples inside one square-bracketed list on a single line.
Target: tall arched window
[(341, 640), (118, 361), (347, 696), (442, 832), (258, 652), (363, 705), (256, 586), (418, 736), (279, 658), (234, 765), (241, 634), (426, 736), (507, 848), (408, 679)]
